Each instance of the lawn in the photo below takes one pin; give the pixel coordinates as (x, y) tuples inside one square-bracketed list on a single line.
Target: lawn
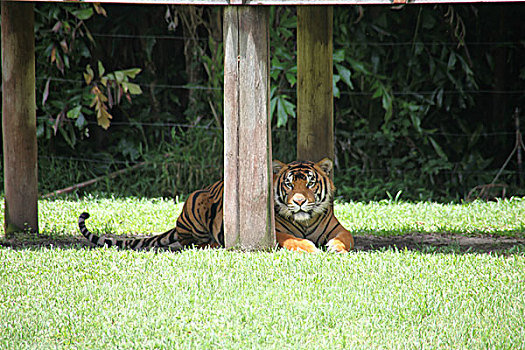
[(74, 297), (386, 218)]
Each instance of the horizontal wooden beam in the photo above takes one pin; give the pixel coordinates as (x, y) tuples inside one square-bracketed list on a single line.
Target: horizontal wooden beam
[(283, 2)]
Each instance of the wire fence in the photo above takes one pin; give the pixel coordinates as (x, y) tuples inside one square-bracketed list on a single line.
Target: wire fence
[(355, 43), (454, 165), (355, 170), (456, 168), (343, 92), (107, 167), (286, 131), (291, 132)]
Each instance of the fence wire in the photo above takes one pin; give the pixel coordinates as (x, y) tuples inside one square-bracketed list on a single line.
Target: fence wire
[(355, 43), (122, 164), (343, 92), (353, 170)]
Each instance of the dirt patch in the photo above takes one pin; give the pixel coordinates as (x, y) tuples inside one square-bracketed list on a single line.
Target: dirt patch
[(434, 242), (40, 241), (442, 242)]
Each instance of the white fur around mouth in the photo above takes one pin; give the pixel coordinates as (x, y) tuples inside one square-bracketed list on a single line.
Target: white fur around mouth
[(301, 216)]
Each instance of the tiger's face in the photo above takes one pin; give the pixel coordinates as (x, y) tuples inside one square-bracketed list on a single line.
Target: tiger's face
[(303, 189)]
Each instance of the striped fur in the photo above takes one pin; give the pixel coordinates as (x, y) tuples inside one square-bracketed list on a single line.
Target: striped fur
[(304, 218)]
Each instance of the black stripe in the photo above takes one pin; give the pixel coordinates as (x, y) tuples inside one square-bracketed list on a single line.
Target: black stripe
[(183, 227), (313, 227), (188, 221), (220, 236), (195, 195), (296, 231), (213, 214), (92, 238), (325, 233)]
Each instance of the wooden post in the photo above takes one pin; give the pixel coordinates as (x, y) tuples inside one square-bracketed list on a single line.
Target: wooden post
[(315, 113), (248, 200), (19, 117)]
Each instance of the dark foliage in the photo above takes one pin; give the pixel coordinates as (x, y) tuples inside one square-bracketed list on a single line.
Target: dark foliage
[(425, 97)]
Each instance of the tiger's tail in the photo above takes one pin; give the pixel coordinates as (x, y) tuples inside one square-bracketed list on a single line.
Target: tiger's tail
[(167, 240)]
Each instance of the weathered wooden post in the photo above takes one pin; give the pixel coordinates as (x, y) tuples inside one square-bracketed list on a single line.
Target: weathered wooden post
[(19, 117), (248, 201), (315, 113)]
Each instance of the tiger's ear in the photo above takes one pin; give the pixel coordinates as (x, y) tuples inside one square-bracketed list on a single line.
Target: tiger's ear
[(277, 165), (326, 165)]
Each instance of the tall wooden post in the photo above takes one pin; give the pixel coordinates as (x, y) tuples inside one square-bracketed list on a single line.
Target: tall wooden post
[(248, 200), (19, 117), (315, 113)]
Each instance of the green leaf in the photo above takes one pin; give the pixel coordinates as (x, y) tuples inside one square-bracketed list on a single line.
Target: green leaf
[(335, 79), (70, 138), (119, 76), (276, 64), (339, 55), (291, 78), (438, 148), (101, 69), (416, 122), (132, 72), (80, 122), (40, 130), (282, 117), (83, 14), (289, 107), (345, 75), (386, 102), (273, 104), (439, 97), (451, 61), (89, 75), (378, 90), (358, 66), (288, 22), (133, 89), (74, 113)]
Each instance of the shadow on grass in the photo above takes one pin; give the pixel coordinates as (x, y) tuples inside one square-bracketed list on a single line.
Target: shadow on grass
[(501, 243)]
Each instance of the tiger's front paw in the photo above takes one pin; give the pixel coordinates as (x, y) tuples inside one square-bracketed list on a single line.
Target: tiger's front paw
[(302, 245), (336, 246)]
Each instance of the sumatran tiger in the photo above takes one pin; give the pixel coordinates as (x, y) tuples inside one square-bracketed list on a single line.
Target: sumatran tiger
[(304, 216)]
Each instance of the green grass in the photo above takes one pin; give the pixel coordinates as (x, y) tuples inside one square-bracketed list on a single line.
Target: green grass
[(94, 299), (105, 298), (386, 218), (109, 215)]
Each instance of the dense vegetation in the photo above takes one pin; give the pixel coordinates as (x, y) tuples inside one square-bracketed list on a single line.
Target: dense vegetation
[(425, 97)]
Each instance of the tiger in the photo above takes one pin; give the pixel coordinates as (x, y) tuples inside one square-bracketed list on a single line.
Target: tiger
[(303, 206)]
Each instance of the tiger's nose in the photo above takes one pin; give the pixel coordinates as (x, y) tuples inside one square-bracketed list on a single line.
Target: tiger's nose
[(298, 199)]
